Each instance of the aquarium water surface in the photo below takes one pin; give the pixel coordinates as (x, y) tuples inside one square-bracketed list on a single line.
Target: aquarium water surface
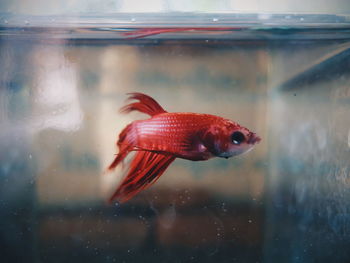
[(285, 77)]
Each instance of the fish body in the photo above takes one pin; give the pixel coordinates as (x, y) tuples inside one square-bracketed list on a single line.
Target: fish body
[(166, 136)]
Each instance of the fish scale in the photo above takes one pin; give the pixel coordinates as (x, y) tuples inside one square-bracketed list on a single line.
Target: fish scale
[(169, 131)]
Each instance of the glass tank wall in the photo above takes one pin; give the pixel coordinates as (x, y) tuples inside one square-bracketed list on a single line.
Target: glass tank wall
[(63, 83)]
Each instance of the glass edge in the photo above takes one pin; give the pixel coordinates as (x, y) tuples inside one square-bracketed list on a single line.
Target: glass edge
[(175, 19)]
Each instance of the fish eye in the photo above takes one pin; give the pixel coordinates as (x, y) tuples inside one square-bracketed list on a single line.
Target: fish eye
[(237, 138)]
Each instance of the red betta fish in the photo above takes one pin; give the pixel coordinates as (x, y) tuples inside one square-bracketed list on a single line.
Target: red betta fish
[(159, 140)]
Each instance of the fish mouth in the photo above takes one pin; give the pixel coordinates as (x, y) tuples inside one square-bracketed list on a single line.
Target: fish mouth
[(254, 139)]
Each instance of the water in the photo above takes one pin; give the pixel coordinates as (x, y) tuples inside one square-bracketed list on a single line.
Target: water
[(285, 77)]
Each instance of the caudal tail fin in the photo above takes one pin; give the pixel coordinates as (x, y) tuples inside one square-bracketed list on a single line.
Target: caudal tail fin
[(126, 143), (146, 167), (145, 104), (127, 137)]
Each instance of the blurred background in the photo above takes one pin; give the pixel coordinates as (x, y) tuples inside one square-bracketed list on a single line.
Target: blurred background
[(287, 200)]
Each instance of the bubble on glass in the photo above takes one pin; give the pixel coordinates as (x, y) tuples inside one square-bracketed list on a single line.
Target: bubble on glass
[(223, 207)]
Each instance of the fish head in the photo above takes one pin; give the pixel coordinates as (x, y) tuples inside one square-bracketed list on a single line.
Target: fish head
[(229, 139)]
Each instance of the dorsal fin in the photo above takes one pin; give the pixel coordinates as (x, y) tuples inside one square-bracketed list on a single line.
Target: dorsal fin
[(146, 104)]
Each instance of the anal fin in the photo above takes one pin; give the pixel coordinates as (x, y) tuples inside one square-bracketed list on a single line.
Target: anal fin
[(145, 169)]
